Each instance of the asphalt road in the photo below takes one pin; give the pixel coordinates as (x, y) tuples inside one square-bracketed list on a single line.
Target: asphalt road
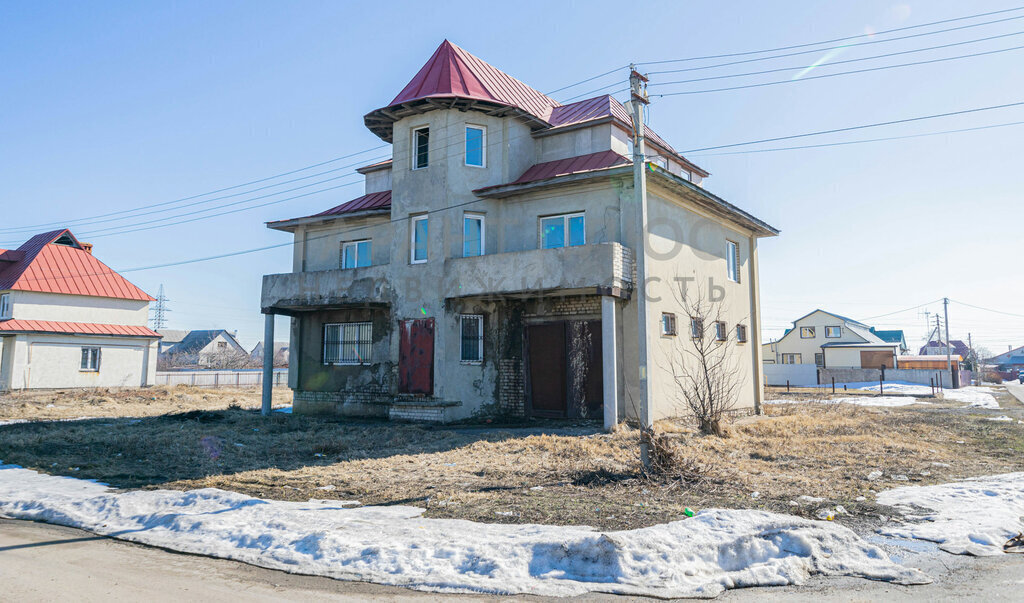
[(1016, 390), (40, 562)]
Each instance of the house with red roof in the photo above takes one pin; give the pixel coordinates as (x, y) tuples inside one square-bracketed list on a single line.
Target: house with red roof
[(491, 265), (68, 320)]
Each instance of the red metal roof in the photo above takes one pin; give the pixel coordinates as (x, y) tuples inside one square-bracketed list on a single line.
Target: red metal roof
[(572, 165), (372, 201), (453, 72), (47, 267), (74, 328)]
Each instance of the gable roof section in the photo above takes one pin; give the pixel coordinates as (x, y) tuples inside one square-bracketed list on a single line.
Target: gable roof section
[(891, 336), (453, 73), (572, 165), (378, 201), (45, 266), (958, 346), (75, 328), (607, 107), (1006, 356), (842, 318), (172, 335), (197, 340)]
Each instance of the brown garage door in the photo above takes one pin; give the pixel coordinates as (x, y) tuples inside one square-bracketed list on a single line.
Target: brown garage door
[(875, 359), (546, 349)]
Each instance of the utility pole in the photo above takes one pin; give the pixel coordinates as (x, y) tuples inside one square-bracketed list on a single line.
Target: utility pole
[(638, 101), (160, 310), (949, 346)]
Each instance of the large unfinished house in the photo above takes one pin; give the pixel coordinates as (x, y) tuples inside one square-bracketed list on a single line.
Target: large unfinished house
[(490, 267)]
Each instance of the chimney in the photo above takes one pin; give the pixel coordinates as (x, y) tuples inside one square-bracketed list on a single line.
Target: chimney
[(87, 247)]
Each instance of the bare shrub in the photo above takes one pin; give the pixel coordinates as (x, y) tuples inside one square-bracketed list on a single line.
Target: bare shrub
[(704, 363)]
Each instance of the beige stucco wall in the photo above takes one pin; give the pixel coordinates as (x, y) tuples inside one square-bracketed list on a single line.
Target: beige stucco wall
[(54, 361), (792, 343), (30, 305), (687, 243)]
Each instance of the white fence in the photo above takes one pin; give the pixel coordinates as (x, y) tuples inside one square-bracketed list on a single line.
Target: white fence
[(795, 374), (249, 378)]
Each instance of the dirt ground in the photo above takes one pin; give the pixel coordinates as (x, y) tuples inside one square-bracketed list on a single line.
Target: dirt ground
[(543, 472)]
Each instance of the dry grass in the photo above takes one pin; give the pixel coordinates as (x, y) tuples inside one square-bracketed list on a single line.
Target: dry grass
[(551, 473), (127, 402)]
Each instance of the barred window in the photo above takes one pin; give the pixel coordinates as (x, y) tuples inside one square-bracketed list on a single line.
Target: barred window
[(696, 328), (348, 343), (741, 333), (472, 327)]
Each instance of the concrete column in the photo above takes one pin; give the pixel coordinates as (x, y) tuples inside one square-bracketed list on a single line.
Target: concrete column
[(609, 362), (268, 363), (754, 331)]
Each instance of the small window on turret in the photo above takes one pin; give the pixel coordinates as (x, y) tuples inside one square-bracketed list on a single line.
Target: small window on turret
[(420, 148), (476, 144)]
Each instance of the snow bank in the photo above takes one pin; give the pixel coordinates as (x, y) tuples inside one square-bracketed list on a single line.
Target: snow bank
[(972, 396), (858, 400), (699, 556), (972, 517)]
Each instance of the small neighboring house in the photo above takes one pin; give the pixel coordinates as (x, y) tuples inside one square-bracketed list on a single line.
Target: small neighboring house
[(280, 353), (489, 267), (832, 341), (203, 347), (937, 347), (68, 320), (170, 338), (1011, 360)]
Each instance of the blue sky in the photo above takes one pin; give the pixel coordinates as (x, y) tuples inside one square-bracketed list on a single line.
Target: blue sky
[(107, 107)]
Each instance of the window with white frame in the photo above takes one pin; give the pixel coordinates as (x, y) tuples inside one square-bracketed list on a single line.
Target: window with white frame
[(420, 148), (348, 343), (90, 359), (833, 332), (5, 305), (472, 235), (356, 254), (476, 145), (741, 333), (696, 328), (807, 333), (732, 255), (418, 240), (791, 359), (471, 327), (720, 331), (668, 324), (566, 230)]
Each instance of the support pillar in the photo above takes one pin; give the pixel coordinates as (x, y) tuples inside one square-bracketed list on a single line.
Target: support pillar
[(268, 363), (609, 362)]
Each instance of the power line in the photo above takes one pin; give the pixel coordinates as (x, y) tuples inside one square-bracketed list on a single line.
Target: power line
[(836, 144), (834, 40), (828, 75), (987, 309), (589, 79), (308, 167), (860, 127), (901, 311), (843, 62)]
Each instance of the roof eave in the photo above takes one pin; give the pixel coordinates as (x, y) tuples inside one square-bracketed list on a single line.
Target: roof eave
[(291, 225), (715, 203), (507, 190), (380, 120)]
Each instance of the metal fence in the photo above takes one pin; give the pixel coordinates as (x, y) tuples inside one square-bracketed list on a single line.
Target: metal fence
[(249, 378)]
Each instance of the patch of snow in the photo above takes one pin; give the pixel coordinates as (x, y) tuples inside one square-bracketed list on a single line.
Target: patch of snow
[(895, 387), (284, 410), (971, 517), (876, 474), (890, 401), (972, 396), (12, 422), (810, 499), (1000, 418), (698, 556)]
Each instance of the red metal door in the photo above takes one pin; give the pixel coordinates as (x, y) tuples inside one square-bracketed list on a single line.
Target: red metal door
[(416, 357)]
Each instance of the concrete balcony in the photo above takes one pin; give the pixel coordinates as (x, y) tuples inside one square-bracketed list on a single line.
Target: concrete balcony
[(605, 268), (325, 289)]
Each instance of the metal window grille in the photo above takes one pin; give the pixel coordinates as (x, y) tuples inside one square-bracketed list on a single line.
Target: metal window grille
[(741, 333), (720, 331), (472, 338), (348, 343)]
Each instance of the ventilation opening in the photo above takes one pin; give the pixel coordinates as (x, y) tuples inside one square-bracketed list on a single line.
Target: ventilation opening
[(67, 240)]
